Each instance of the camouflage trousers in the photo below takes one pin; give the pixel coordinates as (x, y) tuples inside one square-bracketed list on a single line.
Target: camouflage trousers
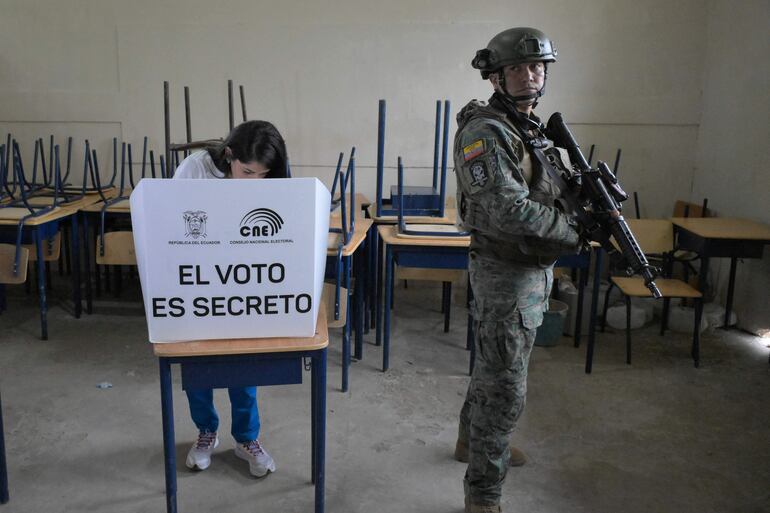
[(505, 324), (494, 401)]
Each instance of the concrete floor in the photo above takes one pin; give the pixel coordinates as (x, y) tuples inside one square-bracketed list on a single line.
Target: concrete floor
[(657, 436)]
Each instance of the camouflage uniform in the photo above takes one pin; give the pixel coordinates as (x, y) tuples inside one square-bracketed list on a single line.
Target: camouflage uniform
[(506, 201)]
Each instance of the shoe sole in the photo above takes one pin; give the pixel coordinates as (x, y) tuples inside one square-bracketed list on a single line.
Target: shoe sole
[(267, 470)]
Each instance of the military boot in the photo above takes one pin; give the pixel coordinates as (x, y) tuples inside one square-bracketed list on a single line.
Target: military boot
[(516, 459), (481, 508)]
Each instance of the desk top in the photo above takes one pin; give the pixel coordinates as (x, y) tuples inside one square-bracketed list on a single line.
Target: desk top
[(450, 216), (120, 207), (78, 204), (12, 215), (248, 345), (724, 228), (389, 234), (359, 234)]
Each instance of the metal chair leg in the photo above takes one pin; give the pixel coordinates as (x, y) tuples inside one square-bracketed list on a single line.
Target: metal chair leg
[(606, 305), (628, 330), (696, 332)]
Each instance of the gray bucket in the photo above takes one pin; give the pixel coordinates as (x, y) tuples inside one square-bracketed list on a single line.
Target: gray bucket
[(549, 333)]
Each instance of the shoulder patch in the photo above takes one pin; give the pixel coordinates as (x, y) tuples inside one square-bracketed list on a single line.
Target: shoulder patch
[(479, 174), (473, 150)]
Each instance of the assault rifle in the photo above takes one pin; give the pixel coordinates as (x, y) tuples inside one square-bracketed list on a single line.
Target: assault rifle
[(594, 197)]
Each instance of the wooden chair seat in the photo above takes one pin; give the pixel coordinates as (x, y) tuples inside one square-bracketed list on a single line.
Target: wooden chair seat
[(635, 287)]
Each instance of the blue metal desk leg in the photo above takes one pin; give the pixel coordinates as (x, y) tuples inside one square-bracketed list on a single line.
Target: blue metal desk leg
[(319, 426), (388, 294), (378, 281), (3, 469), (368, 299), (346, 329), (169, 444), (75, 261), (594, 303), (41, 284), (87, 266), (313, 404), (373, 270), (360, 273)]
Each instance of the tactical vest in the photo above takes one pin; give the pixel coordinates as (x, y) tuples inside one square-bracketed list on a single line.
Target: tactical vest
[(487, 240)]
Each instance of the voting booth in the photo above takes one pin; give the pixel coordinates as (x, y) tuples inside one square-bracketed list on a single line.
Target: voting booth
[(221, 259)]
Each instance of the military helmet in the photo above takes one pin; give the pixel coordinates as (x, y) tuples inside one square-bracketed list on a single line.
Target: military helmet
[(513, 46)]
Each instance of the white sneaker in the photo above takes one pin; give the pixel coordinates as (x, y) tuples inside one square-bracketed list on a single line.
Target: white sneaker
[(260, 462), (200, 453)]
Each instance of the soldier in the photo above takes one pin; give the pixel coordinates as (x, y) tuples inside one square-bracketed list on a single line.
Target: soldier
[(506, 201)]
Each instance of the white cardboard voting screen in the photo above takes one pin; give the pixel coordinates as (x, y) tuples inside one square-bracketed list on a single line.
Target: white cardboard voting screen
[(230, 258)]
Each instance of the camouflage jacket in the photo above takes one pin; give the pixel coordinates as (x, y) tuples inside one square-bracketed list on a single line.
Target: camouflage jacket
[(504, 199)]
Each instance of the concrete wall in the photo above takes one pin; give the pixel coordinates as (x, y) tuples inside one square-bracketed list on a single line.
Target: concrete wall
[(629, 74), (733, 157), (679, 86)]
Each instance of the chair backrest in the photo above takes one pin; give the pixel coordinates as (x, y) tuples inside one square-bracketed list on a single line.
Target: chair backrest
[(692, 209), (7, 261), (118, 249), (653, 235)]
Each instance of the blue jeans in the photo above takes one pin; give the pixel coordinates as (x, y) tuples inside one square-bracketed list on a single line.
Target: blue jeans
[(245, 412)]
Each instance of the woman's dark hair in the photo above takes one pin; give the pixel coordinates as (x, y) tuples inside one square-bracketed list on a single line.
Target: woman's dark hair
[(250, 141)]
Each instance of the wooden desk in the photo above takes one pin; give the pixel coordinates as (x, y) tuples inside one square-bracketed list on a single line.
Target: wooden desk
[(721, 237), (429, 252), (362, 200), (40, 225), (353, 250), (452, 253), (375, 266), (77, 204), (123, 207), (241, 363)]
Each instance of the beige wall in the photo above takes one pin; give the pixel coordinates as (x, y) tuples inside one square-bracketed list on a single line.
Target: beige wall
[(657, 78), (733, 155), (316, 69)]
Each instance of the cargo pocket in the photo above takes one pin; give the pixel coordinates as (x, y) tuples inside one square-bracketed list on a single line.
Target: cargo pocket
[(531, 316), (493, 310)]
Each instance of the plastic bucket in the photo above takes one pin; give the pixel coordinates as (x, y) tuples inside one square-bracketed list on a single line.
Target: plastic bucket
[(549, 333)]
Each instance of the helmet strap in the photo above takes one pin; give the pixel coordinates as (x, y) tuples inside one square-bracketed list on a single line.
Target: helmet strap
[(515, 99), (524, 122)]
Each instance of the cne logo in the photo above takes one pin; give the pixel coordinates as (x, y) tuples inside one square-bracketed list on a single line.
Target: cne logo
[(261, 222)]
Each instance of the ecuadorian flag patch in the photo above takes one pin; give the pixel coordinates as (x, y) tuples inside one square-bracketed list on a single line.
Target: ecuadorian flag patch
[(473, 150)]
